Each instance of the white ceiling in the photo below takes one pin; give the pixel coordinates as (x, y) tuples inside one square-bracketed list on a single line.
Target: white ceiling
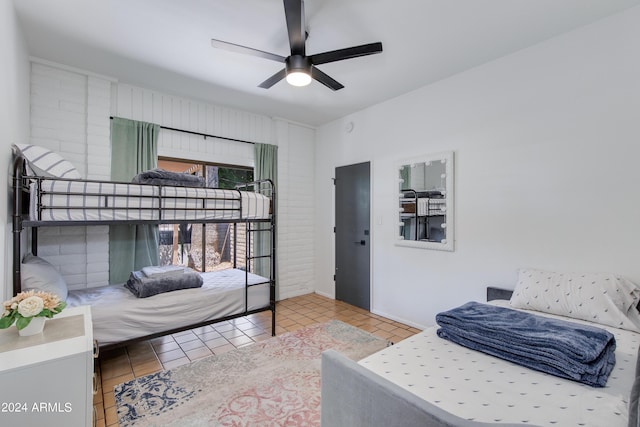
[(165, 44)]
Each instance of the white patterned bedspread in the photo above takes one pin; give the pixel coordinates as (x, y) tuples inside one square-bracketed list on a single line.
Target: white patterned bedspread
[(118, 315), (480, 387)]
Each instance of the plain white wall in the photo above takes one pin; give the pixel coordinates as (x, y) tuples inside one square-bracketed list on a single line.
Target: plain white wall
[(14, 124), (546, 146)]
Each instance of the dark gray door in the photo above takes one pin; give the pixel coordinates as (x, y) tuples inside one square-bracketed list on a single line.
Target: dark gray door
[(352, 235)]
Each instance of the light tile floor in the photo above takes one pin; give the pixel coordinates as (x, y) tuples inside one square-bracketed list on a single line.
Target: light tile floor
[(144, 358)]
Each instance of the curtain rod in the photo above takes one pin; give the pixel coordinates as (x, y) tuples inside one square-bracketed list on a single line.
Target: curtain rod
[(205, 135)]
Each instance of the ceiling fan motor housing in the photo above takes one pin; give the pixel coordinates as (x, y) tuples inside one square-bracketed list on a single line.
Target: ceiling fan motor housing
[(298, 63)]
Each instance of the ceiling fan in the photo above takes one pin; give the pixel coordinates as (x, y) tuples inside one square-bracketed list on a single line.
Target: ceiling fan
[(299, 68)]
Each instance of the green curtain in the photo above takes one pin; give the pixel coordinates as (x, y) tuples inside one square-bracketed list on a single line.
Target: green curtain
[(134, 149), (266, 159), (266, 167)]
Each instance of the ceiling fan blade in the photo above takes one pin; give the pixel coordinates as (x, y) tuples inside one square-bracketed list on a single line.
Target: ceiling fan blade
[(246, 50), (346, 53), (294, 13), (273, 79), (325, 79)]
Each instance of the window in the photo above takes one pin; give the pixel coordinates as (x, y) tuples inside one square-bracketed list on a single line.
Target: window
[(204, 247)]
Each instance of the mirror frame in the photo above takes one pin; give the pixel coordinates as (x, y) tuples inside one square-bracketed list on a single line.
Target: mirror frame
[(448, 158)]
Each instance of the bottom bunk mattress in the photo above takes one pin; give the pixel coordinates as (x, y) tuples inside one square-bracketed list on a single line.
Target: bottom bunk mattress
[(481, 388), (119, 316)]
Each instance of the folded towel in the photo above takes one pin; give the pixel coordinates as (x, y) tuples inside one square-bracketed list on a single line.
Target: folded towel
[(162, 271), (143, 287), (566, 349), (159, 176)]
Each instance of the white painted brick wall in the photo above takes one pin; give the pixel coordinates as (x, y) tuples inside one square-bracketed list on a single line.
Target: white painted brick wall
[(98, 128), (296, 180), (135, 103), (98, 161), (70, 114)]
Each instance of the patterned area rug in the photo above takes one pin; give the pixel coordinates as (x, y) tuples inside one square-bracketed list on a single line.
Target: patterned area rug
[(271, 383)]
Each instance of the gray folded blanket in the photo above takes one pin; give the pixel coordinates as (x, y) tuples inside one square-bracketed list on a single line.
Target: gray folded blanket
[(142, 286), (159, 176), (566, 349)]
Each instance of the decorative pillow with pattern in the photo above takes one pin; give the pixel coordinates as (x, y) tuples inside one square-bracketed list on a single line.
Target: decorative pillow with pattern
[(45, 162), (596, 297)]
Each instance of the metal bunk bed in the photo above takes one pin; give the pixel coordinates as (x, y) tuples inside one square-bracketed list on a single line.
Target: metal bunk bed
[(422, 208), (215, 206)]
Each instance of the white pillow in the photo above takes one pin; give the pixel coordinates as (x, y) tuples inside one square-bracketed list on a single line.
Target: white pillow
[(38, 274), (45, 162), (596, 297)]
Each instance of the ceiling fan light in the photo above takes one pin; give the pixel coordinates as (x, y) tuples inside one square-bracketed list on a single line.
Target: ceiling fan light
[(298, 78), (298, 69)]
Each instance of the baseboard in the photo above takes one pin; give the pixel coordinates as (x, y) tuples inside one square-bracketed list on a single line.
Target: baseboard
[(383, 314), (323, 294), (298, 293), (399, 319)]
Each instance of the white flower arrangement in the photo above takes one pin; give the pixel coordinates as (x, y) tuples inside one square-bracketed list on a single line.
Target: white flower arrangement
[(27, 305)]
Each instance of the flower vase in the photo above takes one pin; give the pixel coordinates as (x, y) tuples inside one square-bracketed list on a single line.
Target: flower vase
[(34, 327)]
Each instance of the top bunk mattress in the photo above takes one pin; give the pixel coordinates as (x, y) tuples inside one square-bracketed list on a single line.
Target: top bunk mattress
[(479, 387), (87, 201)]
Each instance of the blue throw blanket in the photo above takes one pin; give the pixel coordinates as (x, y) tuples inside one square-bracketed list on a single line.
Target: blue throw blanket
[(566, 349), (159, 176), (142, 286)]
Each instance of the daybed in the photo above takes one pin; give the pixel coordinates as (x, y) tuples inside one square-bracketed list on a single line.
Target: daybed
[(428, 381), (54, 195)]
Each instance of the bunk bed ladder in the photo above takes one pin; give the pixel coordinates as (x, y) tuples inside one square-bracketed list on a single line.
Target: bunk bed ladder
[(262, 187)]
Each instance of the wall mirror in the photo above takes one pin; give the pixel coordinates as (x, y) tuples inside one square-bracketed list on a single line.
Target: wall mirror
[(425, 202)]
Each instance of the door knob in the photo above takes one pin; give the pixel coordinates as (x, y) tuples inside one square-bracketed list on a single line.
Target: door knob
[(361, 242)]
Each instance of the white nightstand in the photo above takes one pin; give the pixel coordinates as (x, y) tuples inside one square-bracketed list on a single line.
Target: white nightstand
[(47, 379)]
